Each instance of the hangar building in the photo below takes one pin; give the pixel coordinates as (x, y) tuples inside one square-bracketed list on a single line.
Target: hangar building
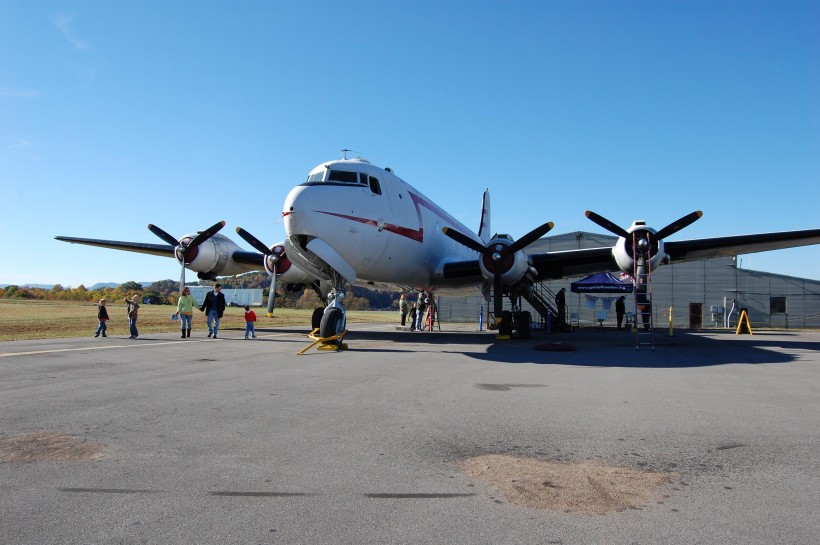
[(701, 294)]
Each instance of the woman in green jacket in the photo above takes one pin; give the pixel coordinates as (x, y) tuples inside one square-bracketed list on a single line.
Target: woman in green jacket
[(185, 311)]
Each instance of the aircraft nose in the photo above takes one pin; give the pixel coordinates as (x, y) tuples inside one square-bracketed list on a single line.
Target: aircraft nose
[(297, 206)]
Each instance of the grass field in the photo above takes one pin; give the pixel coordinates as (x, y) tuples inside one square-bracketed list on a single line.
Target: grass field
[(24, 319)]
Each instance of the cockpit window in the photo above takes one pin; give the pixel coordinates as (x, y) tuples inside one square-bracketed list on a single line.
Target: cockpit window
[(316, 177), (362, 178), (343, 176), (375, 187)]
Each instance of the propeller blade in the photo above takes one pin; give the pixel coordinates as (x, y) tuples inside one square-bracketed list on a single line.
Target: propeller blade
[(676, 226), (606, 224), (163, 235), (253, 241), (272, 292), (205, 235), (529, 238), (464, 240)]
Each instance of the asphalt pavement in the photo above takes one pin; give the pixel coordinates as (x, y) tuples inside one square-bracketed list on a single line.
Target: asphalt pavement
[(242, 441)]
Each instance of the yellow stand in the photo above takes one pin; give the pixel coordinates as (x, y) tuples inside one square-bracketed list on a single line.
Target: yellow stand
[(327, 343), (744, 319)]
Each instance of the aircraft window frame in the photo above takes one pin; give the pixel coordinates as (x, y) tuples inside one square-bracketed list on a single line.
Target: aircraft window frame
[(375, 186), (343, 177), (362, 178), (316, 177)]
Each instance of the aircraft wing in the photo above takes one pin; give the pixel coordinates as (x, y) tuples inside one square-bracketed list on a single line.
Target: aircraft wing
[(691, 250), (586, 261), (247, 260), (582, 262), (163, 250)]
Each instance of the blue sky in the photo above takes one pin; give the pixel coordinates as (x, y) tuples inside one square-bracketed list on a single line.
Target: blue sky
[(114, 115)]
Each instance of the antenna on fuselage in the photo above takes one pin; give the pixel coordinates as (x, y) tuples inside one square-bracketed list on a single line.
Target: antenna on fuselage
[(346, 151)]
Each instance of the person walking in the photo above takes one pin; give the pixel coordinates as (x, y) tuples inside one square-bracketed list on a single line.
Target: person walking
[(250, 321), (213, 307), (133, 314), (102, 316), (620, 310), (404, 308), (185, 311)]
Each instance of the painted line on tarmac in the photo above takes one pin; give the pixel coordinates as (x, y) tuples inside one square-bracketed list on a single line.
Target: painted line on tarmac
[(56, 350), (136, 344)]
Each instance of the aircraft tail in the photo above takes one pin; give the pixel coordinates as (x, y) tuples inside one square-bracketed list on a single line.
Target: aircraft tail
[(484, 232)]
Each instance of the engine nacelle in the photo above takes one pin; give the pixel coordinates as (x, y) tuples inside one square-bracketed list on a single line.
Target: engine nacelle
[(286, 271), (642, 243), (513, 266), (212, 258)]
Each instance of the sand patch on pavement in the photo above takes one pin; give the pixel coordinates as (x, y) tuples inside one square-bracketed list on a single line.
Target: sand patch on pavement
[(48, 446), (589, 487)]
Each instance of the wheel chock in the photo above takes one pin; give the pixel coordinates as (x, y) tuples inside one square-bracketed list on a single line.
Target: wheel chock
[(325, 343)]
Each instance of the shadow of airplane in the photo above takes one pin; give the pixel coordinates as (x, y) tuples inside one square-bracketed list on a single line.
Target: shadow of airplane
[(596, 348)]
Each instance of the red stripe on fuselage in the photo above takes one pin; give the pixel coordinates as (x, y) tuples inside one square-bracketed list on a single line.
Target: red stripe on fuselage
[(408, 232)]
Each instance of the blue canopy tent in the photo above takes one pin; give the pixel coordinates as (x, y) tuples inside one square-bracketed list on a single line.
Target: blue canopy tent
[(601, 283)]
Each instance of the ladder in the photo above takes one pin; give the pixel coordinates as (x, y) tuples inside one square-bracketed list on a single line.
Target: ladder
[(642, 274)]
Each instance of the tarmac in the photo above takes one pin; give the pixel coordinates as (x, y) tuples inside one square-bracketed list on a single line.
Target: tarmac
[(164, 440)]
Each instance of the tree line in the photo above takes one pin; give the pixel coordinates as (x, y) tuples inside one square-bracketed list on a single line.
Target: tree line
[(358, 298)]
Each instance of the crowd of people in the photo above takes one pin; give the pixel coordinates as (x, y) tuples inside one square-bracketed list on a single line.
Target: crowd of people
[(423, 312), (213, 306)]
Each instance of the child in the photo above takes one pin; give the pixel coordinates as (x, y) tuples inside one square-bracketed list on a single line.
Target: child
[(250, 318), (102, 316)]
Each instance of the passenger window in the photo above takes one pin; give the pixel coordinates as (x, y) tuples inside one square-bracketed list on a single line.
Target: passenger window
[(374, 186)]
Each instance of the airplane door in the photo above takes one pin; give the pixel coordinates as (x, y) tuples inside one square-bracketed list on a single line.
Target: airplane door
[(383, 213)]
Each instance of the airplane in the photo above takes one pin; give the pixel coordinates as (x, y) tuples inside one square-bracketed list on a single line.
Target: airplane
[(354, 223)]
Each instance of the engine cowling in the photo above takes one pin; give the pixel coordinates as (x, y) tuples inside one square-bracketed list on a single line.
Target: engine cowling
[(286, 271), (513, 266), (642, 242)]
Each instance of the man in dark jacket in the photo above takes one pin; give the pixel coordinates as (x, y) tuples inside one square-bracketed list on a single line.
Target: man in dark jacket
[(620, 310), (213, 307)]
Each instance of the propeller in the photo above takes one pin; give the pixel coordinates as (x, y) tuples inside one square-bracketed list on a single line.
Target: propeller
[(646, 237), (272, 257), (186, 252), (496, 255)]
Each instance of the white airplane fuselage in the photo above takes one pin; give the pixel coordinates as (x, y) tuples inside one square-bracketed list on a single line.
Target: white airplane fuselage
[(385, 229)]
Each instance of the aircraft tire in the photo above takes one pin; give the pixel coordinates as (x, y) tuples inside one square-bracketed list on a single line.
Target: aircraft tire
[(505, 328), (316, 319), (524, 320), (330, 322)]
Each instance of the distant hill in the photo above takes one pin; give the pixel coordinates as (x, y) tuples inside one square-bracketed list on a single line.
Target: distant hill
[(101, 285), (97, 286)]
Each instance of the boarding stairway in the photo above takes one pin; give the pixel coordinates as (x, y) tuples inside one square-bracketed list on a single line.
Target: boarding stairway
[(541, 299), (642, 275)]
